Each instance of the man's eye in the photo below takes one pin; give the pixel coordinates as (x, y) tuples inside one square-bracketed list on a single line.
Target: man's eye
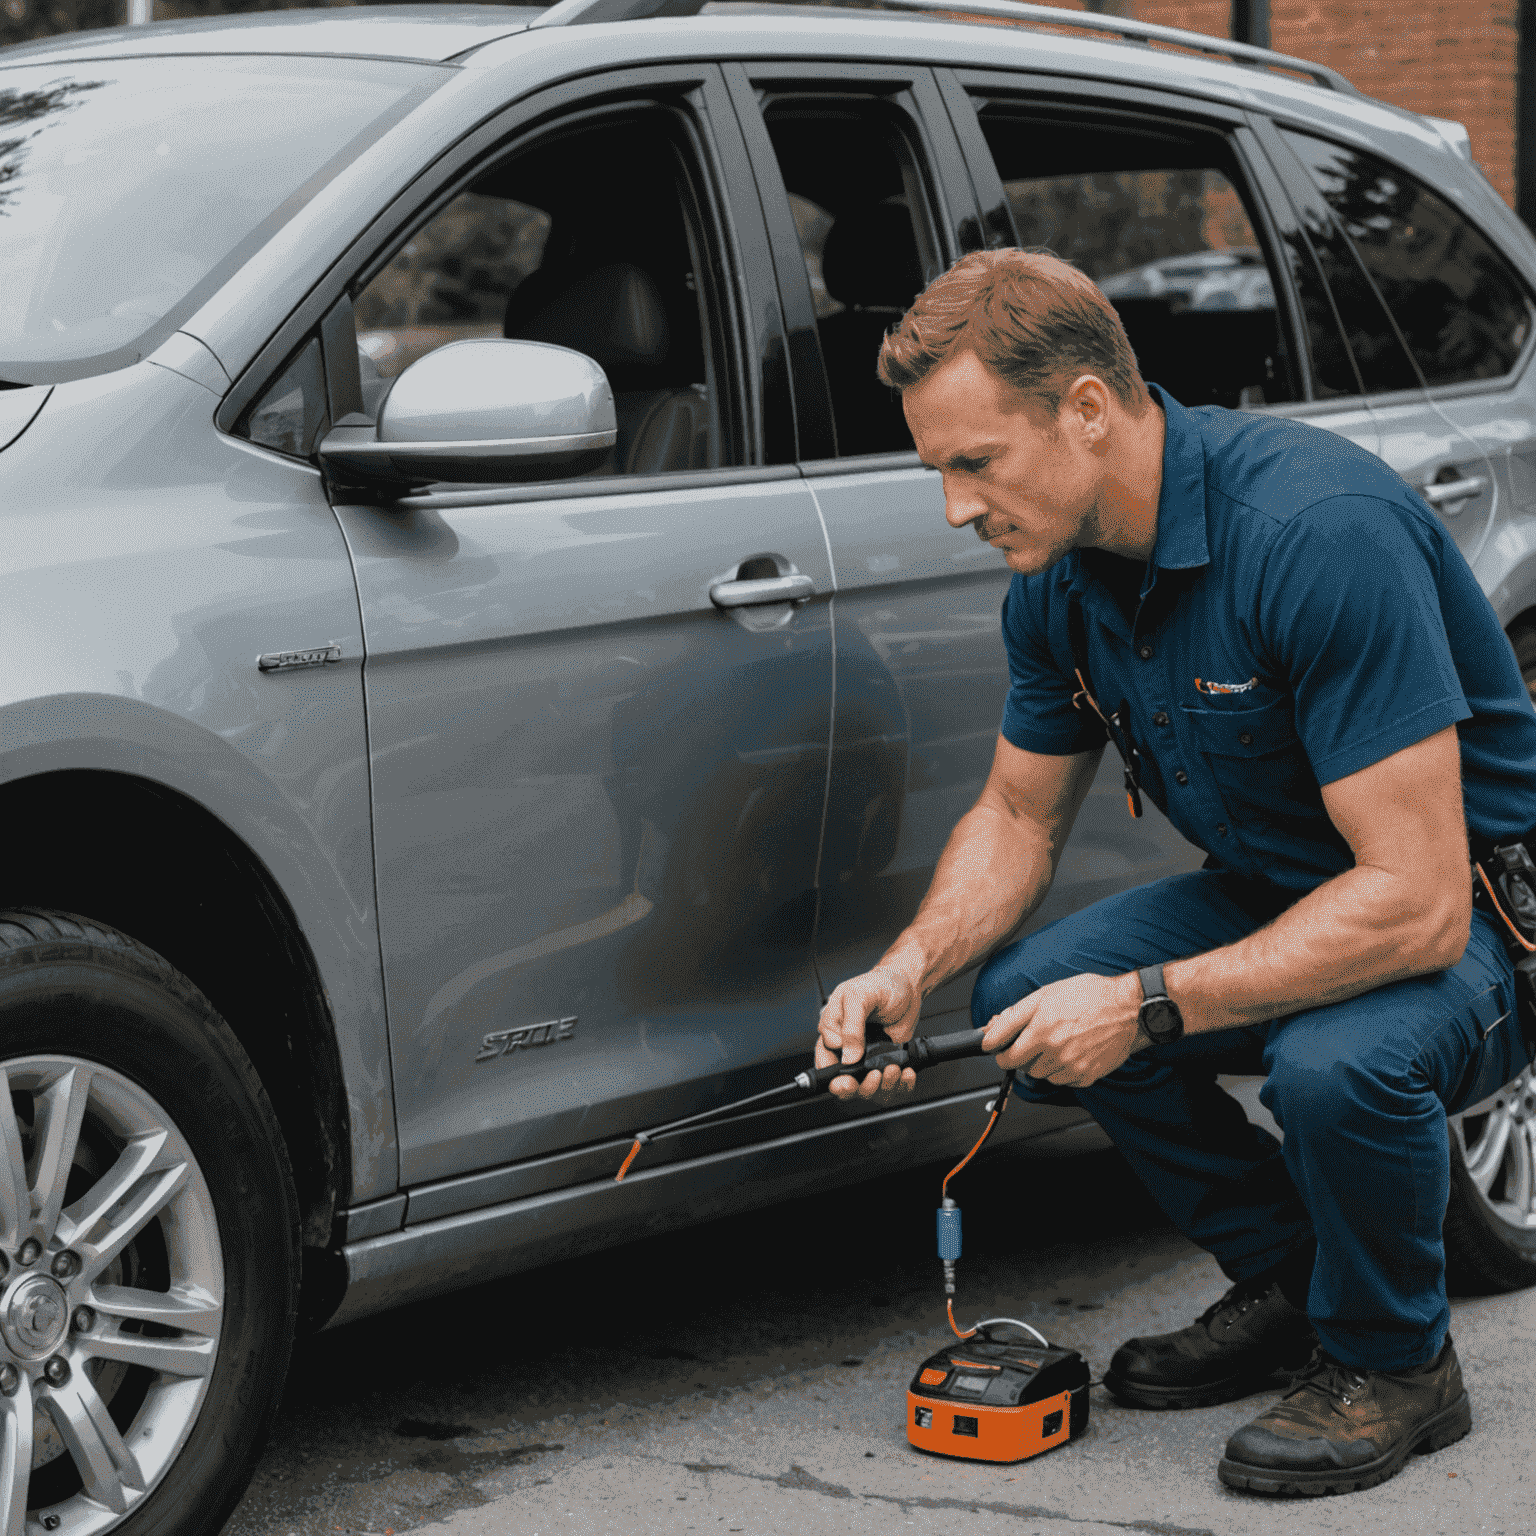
[(971, 466)]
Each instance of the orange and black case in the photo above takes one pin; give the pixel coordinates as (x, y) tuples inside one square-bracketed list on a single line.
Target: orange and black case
[(988, 1400)]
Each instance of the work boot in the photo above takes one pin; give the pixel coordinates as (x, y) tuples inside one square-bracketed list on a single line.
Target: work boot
[(1339, 1429), (1251, 1339)]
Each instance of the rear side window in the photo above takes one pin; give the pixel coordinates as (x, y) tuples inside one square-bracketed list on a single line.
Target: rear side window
[(1462, 310), (1159, 222)]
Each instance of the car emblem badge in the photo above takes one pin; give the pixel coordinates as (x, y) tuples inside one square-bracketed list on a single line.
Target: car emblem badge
[(503, 1042), (286, 661), (35, 1316)]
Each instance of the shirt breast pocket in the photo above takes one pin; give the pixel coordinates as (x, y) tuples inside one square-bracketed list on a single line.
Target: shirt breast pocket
[(1257, 760)]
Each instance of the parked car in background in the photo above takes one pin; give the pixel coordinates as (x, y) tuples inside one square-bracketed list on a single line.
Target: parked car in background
[(483, 657)]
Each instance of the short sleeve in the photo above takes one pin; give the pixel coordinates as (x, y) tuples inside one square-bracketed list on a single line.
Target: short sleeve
[(1350, 612), (1039, 715)]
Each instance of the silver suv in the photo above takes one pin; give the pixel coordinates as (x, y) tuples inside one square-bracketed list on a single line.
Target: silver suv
[(482, 654)]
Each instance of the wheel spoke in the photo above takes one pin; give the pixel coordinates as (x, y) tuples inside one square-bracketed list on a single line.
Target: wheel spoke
[(15, 1459), (181, 1307), (1517, 1190), (1487, 1157), (15, 1201), (59, 1110), (135, 1160), (172, 1357), (152, 1196), (106, 1465)]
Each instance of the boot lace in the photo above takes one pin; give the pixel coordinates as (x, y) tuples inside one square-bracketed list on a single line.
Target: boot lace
[(1238, 1300), (1327, 1378)]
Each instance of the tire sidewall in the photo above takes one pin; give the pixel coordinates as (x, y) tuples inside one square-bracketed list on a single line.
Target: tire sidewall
[(126, 1010)]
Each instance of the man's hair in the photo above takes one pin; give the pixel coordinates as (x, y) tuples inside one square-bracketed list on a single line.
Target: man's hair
[(1035, 321)]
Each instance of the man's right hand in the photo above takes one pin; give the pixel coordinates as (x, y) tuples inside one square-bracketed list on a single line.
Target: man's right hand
[(882, 996)]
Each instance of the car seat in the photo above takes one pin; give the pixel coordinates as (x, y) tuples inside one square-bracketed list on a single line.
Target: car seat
[(870, 265), (615, 315)]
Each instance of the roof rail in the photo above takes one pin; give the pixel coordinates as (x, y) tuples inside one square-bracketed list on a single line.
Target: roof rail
[(1123, 29)]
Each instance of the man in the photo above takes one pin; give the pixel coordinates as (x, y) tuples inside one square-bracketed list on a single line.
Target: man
[(1302, 673)]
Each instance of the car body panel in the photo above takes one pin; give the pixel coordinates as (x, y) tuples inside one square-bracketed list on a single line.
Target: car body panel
[(159, 570)]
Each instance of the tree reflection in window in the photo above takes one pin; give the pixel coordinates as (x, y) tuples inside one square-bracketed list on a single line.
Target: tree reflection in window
[(30, 110), (1462, 311)]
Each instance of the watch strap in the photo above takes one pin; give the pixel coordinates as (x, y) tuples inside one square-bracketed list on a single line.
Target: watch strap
[(1151, 978)]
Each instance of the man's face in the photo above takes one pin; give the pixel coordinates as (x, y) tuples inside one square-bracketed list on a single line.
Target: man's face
[(1021, 475)]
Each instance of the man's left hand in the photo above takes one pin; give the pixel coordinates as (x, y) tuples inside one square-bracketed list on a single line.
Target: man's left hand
[(1071, 1032)]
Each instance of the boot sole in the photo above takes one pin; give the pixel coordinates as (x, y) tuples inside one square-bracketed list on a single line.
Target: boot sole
[(1143, 1395), (1445, 1428)]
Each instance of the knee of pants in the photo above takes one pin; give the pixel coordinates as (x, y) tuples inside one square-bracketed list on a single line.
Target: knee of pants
[(1311, 1088), (999, 984)]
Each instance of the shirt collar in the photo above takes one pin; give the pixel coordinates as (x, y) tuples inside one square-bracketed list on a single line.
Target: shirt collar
[(1181, 515)]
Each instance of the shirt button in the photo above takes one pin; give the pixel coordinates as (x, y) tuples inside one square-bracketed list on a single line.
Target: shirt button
[(1160, 718), (1145, 652), (1221, 829), (1246, 738), (1181, 777)]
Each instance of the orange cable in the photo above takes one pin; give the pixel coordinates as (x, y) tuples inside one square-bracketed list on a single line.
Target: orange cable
[(634, 1152), (944, 1188), (1520, 938), (949, 1306)]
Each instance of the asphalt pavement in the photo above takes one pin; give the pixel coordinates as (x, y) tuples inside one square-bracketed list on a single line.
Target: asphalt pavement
[(750, 1376)]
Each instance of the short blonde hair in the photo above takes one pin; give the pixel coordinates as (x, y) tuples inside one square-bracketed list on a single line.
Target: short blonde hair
[(1034, 320)]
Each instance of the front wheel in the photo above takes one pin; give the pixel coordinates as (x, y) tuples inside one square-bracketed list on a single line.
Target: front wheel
[(148, 1242)]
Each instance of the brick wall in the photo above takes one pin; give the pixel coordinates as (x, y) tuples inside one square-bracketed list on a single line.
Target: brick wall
[(1449, 58)]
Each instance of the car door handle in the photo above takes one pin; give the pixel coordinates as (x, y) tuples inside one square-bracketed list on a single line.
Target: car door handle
[(1453, 490), (766, 589)]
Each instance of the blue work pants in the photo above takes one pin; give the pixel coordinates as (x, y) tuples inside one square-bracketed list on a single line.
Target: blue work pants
[(1361, 1090)]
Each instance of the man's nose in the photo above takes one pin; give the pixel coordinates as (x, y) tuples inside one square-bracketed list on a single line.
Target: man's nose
[(960, 510)]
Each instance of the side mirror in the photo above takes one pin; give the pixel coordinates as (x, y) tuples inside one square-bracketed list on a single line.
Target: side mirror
[(480, 411)]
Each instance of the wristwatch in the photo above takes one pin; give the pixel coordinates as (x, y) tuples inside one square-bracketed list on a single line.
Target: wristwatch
[(1159, 1015)]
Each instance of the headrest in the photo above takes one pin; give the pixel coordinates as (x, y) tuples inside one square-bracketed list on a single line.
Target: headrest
[(871, 257), (613, 314)]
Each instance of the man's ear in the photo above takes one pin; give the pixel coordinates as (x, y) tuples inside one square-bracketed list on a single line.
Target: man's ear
[(1085, 407)]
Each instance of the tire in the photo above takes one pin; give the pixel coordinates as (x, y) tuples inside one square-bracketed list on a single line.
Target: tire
[(1490, 1224), (143, 1348)]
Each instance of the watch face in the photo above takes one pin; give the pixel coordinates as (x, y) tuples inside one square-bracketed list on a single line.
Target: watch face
[(1162, 1020)]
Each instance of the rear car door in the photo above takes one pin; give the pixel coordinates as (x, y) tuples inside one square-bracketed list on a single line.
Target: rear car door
[(1443, 317), (867, 198), (597, 792)]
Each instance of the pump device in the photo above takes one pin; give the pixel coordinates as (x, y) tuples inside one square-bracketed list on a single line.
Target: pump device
[(1003, 1391)]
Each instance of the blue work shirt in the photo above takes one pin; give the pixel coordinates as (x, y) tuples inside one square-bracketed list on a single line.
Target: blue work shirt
[(1304, 615)]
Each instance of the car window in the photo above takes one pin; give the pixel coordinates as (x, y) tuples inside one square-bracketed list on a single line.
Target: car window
[(856, 190), (1458, 303), (592, 239), (1158, 222), (130, 189), (292, 412)]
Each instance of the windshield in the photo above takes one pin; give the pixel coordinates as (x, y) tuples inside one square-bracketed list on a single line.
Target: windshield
[(130, 189)]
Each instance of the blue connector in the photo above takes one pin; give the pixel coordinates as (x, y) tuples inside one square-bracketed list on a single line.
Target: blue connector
[(949, 1241)]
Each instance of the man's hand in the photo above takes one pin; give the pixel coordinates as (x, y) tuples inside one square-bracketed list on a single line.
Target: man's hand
[(1071, 1032), (884, 996)]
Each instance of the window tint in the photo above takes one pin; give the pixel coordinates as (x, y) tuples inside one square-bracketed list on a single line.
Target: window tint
[(591, 240), (1159, 224), (1459, 305), (858, 203), (290, 415)]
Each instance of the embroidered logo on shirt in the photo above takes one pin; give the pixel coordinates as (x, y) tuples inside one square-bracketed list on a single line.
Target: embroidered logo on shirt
[(1204, 687)]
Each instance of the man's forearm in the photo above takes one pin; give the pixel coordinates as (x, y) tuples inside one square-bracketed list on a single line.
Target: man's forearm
[(994, 871), (1362, 929)]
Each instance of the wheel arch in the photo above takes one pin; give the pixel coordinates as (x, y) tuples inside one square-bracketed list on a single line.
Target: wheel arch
[(147, 859)]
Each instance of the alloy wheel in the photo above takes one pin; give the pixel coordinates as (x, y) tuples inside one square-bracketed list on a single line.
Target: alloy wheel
[(1498, 1145), (111, 1295)]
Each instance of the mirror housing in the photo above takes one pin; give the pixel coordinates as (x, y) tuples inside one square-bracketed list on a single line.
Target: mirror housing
[(482, 411)]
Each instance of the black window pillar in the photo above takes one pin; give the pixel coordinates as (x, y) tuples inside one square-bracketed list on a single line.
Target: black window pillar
[(1250, 21)]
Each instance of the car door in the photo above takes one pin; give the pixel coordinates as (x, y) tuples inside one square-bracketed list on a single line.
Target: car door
[(867, 198), (597, 782), (1447, 321)]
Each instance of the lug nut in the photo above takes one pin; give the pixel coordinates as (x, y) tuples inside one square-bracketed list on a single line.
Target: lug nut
[(85, 1319), (57, 1371), (10, 1379), (29, 1251), (65, 1264)]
